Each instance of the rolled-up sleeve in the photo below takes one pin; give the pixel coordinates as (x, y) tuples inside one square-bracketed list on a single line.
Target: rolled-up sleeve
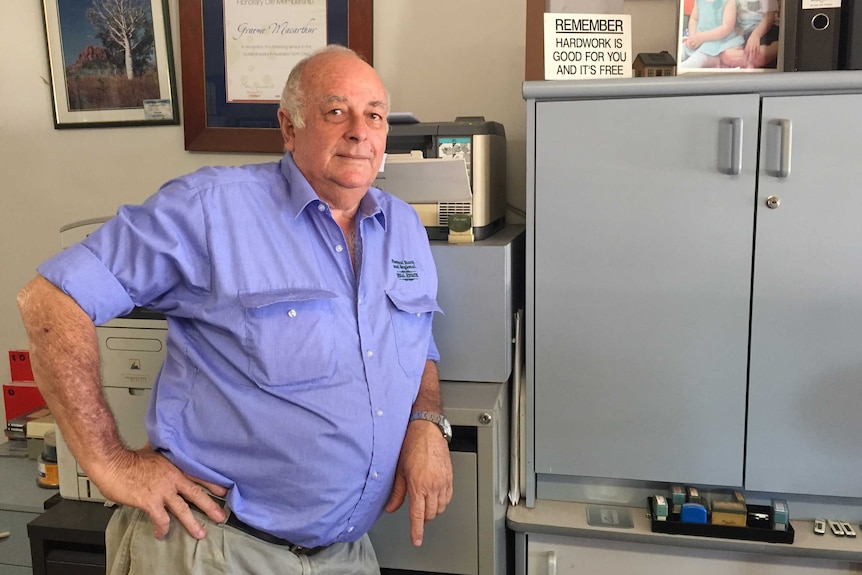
[(80, 274)]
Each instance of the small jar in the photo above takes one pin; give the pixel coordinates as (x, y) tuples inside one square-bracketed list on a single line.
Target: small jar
[(49, 476)]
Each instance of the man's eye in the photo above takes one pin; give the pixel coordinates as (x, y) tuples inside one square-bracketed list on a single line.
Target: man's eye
[(336, 112)]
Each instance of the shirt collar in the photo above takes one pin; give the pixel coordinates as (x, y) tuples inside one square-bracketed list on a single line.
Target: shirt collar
[(301, 195)]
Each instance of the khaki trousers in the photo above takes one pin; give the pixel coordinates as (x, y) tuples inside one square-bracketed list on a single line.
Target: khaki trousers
[(132, 550)]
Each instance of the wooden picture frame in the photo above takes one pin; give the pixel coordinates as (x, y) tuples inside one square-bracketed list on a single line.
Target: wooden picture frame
[(258, 132), (95, 83)]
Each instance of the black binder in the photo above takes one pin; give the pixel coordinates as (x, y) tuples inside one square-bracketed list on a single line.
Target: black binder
[(850, 49), (818, 35), (789, 17)]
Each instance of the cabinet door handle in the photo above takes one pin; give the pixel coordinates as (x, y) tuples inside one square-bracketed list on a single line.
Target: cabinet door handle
[(786, 127), (552, 563), (735, 147)]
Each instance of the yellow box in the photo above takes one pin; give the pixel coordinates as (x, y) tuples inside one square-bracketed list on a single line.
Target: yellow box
[(730, 513)]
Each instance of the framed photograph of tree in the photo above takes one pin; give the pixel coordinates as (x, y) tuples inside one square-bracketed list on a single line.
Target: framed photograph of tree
[(111, 63)]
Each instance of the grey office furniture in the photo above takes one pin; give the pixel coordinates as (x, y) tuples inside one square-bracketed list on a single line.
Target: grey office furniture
[(20, 502), (481, 288), (694, 286), (470, 537)]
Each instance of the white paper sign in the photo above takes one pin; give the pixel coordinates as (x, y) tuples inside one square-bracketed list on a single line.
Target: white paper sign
[(587, 46), (809, 4)]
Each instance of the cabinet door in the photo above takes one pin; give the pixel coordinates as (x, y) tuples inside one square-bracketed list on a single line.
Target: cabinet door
[(642, 286), (804, 422)]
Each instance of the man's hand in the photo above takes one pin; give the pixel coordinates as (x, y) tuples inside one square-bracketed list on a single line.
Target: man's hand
[(425, 473), (147, 480)]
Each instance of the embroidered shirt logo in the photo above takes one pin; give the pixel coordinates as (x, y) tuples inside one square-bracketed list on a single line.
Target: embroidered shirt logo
[(405, 270)]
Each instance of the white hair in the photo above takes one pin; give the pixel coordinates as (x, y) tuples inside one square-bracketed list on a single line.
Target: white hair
[(293, 97)]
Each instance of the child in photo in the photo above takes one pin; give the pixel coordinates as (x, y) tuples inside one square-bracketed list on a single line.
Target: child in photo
[(711, 30), (757, 23)]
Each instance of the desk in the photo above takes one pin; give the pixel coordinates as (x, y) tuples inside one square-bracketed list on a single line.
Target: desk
[(20, 502), (69, 539)]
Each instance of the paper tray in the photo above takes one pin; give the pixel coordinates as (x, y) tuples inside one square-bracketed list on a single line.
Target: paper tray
[(676, 527)]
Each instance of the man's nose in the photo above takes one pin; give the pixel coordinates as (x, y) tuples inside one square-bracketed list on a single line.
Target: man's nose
[(356, 129)]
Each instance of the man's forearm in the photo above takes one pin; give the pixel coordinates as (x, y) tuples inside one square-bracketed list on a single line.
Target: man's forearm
[(65, 357), (428, 398)]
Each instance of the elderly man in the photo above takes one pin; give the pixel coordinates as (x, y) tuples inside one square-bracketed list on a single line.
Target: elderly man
[(300, 381)]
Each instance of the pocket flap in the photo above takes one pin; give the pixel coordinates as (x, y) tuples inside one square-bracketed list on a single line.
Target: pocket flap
[(261, 299), (412, 301)]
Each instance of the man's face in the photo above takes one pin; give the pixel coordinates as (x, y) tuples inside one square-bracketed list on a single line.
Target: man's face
[(340, 149)]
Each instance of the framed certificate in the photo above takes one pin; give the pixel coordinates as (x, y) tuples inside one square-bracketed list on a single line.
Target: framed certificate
[(236, 57)]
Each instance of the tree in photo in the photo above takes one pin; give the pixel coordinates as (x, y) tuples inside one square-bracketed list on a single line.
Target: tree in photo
[(125, 29)]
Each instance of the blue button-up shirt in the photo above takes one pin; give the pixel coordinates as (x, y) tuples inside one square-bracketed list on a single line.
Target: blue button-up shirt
[(288, 377)]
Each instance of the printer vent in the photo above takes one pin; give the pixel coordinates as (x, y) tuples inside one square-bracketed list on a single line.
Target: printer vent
[(445, 209)]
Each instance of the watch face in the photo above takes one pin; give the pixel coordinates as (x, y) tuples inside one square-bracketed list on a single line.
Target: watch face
[(437, 418)]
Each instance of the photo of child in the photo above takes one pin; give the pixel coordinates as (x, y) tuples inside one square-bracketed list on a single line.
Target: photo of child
[(757, 23), (728, 35)]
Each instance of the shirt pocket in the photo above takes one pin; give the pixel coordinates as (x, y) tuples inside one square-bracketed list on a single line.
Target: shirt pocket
[(412, 312), (289, 336)]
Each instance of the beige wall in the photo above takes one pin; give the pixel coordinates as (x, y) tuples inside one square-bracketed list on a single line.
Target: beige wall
[(440, 59)]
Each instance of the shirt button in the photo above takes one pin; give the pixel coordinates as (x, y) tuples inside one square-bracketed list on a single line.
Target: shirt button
[(369, 353), (380, 413), (374, 475), (350, 529), (291, 313), (339, 248), (418, 315), (321, 208)]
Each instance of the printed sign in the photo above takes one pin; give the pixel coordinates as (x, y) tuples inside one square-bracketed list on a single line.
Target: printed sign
[(809, 4), (587, 46)]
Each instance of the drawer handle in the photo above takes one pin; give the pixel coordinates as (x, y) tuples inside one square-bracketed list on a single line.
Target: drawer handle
[(552, 563)]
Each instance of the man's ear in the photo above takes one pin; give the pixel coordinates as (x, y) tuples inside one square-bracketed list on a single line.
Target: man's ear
[(288, 131)]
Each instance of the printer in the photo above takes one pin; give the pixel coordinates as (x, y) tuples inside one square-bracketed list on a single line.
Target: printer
[(131, 353), (447, 168)]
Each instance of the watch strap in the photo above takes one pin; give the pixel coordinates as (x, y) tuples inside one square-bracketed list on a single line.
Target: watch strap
[(437, 418)]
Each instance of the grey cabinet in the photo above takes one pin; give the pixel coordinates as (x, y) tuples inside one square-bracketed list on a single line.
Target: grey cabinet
[(806, 335), (481, 286), (654, 262), (642, 276), (20, 502), (469, 538)]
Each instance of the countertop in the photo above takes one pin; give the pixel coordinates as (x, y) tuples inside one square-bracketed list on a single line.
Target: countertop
[(570, 519)]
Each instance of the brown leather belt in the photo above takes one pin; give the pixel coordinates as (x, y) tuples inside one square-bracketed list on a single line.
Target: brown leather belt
[(237, 523)]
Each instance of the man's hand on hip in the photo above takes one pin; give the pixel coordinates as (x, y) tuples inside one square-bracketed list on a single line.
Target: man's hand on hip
[(147, 480)]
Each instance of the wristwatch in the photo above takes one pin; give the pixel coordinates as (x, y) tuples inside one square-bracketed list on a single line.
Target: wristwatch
[(437, 418)]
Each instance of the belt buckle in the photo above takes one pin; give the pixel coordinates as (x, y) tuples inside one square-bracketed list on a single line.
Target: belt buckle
[(297, 549)]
